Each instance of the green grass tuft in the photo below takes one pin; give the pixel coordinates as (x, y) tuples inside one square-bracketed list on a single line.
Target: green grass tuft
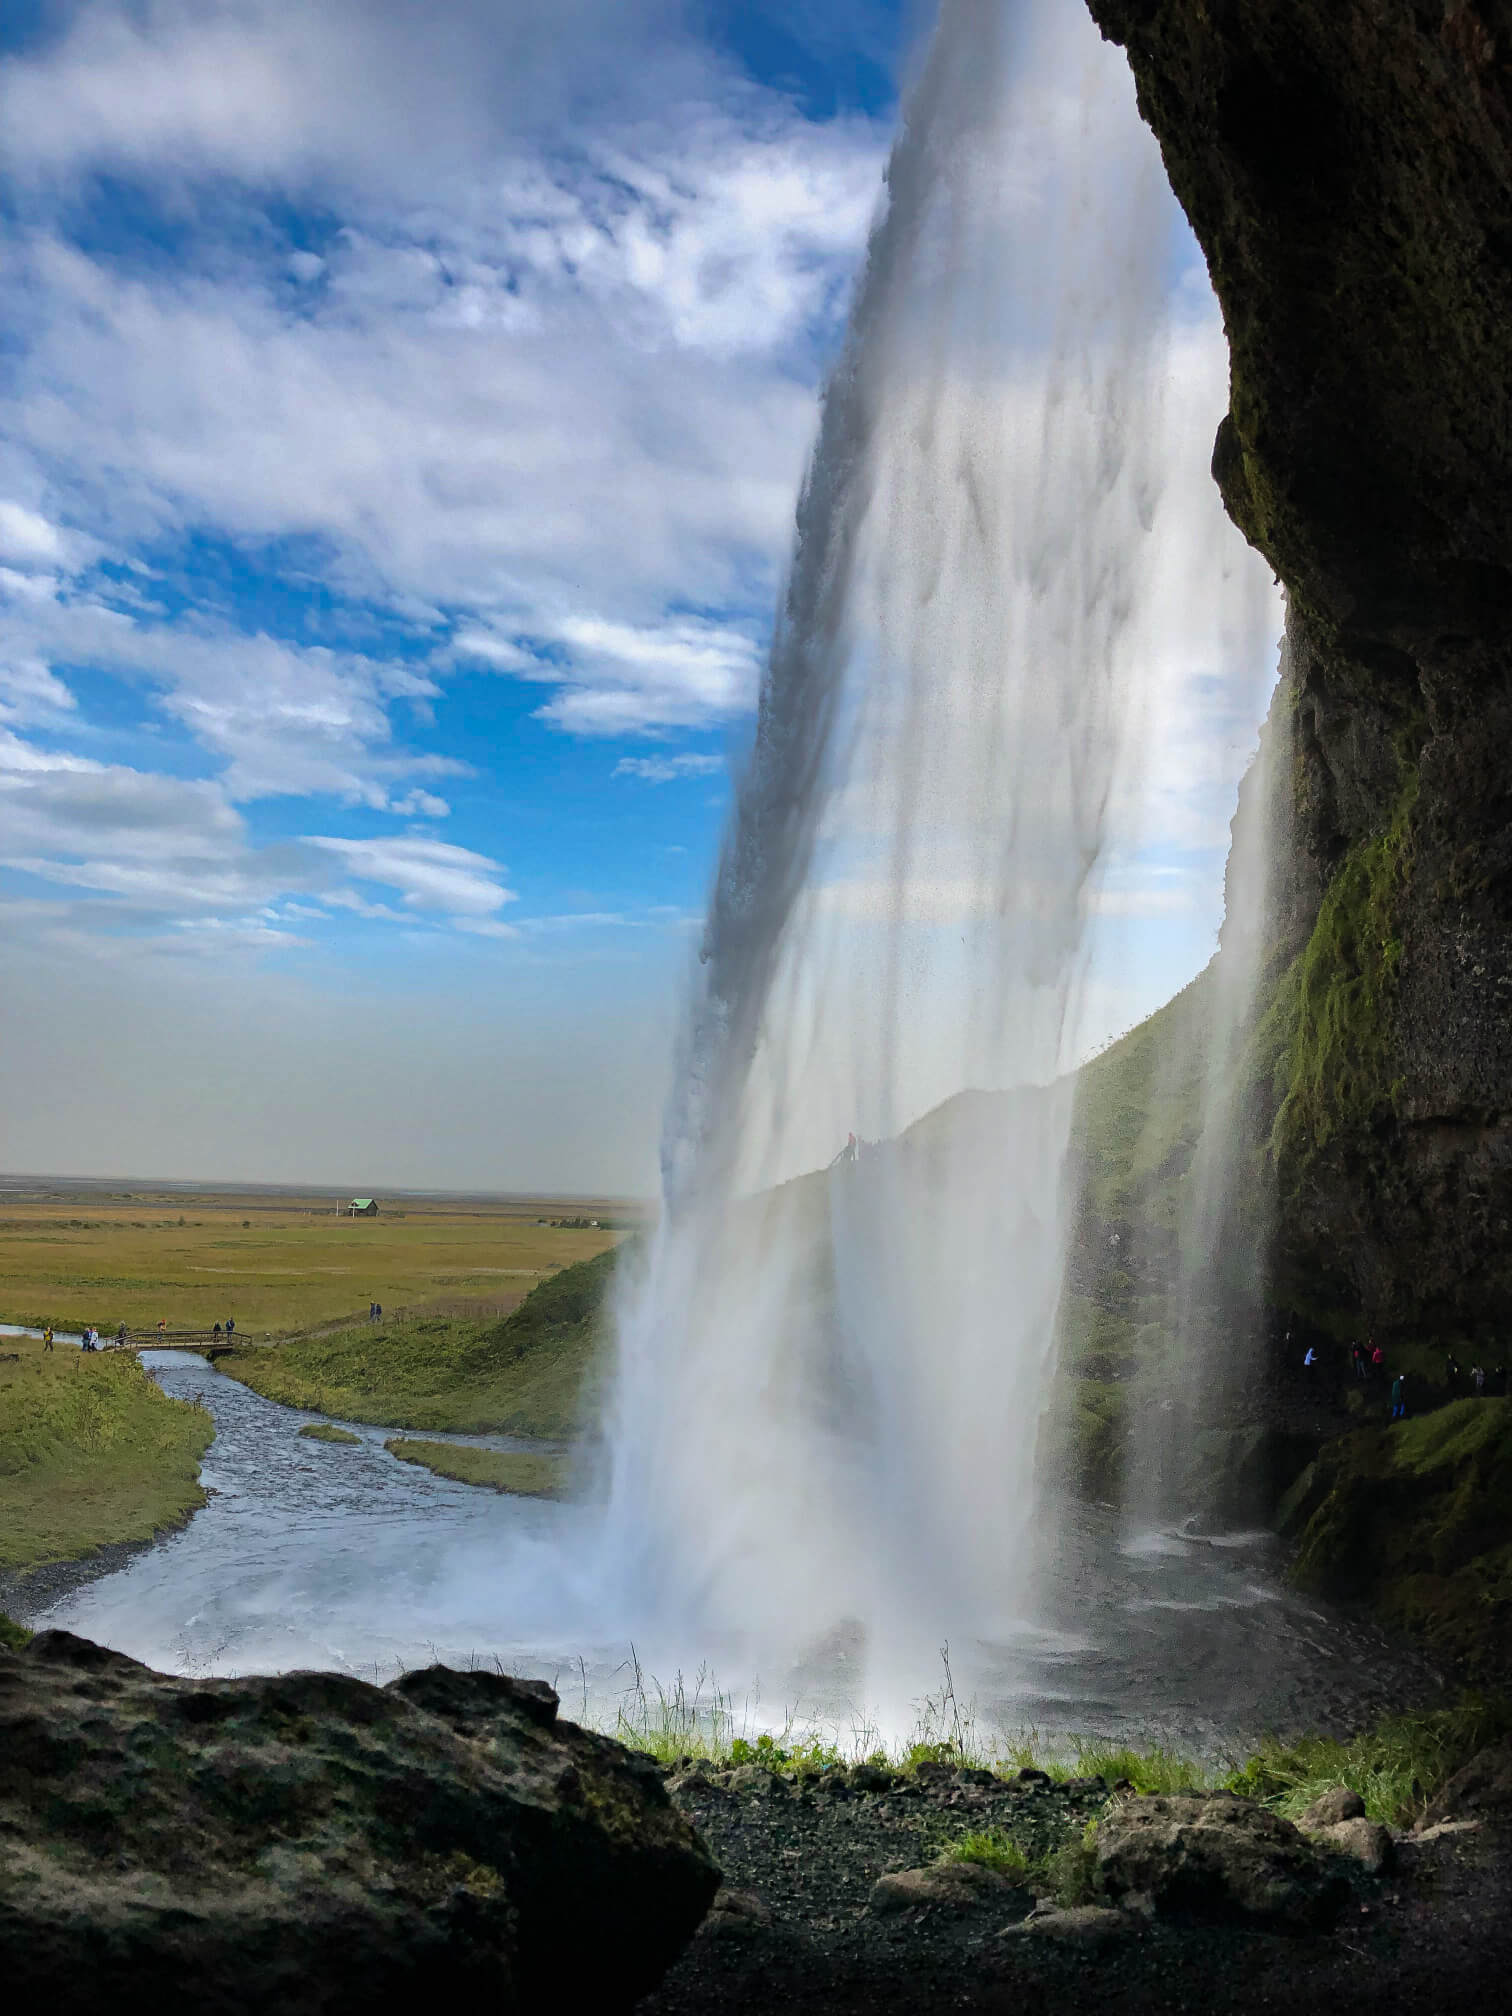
[(989, 1849), (1157, 1770), (524, 1473), (13, 1636), (1396, 1766), (327, 1431), (1071, 1872)]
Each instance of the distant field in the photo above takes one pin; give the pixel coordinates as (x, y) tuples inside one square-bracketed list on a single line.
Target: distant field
[(280, 1266)]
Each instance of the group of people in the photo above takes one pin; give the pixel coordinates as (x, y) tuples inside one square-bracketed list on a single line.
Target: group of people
[(89, 1339), (375, 1312), (1368, 1365), (1481, 1382), (89, 1336)]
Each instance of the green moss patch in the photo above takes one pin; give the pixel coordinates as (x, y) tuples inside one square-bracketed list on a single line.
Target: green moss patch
[(1416, 1520), (327, 1431), (1340, 995), (538, 1371), (526, 1473)]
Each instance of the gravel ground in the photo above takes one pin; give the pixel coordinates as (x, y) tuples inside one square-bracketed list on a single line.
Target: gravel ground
[(1432, 1937)]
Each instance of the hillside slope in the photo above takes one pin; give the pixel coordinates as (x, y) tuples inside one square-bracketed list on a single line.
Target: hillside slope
[(537, 1371)]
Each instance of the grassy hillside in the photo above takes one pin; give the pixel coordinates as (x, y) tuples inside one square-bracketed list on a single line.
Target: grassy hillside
[(536, 1372), (91, 1451), (1138, 1115)]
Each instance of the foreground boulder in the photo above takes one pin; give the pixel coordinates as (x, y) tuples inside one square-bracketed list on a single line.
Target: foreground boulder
[(1482, 1787), (310, 1843), (950, 1886), (1216, 1857)]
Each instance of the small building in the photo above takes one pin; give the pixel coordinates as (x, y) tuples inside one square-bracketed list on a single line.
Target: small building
[(363, 1207)]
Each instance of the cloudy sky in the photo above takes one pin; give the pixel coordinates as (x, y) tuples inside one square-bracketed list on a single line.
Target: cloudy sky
[(401, 414)]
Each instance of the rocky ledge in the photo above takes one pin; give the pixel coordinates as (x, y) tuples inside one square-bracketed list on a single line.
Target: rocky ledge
[(310, 1843)]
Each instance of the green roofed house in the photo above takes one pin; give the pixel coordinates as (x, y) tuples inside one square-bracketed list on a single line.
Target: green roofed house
[(363, 1207)]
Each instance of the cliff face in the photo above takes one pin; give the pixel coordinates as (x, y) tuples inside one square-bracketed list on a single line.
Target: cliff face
[(1347, 167)]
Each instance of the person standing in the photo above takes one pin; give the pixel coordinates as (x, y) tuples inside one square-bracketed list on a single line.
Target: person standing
[(1478, 1380), (162, 1328), (47, 1337), (230, 1327), (1399, 1397)]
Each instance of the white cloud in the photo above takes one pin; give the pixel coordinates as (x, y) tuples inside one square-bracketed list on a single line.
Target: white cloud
[(360, 92), (419, 805), (556, 405), (30, 692), (664, 769), (27, 538), (430, 874)]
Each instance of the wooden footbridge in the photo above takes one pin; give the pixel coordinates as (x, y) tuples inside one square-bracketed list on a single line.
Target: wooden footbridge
[(208, 1343)]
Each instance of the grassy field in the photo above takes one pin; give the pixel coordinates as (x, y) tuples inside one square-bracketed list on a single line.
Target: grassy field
[(536, 1371), (91, 1451), (279, 1265), (525, 1473)]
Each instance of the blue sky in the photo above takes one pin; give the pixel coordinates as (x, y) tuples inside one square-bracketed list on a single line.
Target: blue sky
[(401, 414)]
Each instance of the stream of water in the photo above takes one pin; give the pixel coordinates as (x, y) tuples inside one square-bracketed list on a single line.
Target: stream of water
[(339, 1556)]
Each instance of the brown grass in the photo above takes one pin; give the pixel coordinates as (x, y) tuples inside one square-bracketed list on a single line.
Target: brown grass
[(280, 1269)]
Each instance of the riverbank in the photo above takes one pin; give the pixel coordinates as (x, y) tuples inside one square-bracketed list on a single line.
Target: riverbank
[(538, 1371), (93, 1458)]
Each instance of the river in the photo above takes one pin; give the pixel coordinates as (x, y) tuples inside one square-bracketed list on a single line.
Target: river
[(334, 1555)]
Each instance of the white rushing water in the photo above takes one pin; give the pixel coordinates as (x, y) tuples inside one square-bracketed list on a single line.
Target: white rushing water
[(830, 1391)]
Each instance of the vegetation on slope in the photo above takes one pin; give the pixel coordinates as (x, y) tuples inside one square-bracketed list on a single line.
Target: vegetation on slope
[(521, 1472), (1139, 1114), (539, 1371), (1416, 1519), (91, 1451)]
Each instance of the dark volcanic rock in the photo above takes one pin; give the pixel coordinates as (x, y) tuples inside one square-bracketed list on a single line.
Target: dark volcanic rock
[(311, 1843), (1347, 167), (1483, 1787), (1215, 1857)]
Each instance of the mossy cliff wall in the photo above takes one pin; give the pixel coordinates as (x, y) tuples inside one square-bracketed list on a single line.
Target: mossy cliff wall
[(1347, 167)]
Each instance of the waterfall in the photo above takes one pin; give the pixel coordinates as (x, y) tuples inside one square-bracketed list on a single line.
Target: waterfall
[(1214, 1301), (830, 1385)]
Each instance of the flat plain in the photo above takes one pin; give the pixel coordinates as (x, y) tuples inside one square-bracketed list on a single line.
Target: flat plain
[(280, 1263)]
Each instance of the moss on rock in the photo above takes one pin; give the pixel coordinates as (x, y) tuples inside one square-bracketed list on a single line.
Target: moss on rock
[(1415, 1519)]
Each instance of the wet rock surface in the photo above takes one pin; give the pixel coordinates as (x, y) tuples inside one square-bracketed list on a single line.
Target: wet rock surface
[(311, 1843), (1347, 168)]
